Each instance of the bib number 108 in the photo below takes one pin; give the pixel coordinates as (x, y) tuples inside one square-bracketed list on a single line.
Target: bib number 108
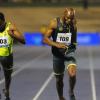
[(3, 41)]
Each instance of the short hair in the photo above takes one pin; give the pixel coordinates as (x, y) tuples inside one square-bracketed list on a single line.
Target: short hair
[(2, 18)]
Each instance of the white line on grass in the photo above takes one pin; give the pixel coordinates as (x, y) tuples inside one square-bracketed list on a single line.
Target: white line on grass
[(43, 86), (91, 65), (25, 66)]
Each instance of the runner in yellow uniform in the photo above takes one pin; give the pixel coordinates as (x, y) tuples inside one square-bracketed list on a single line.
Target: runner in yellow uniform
[(8, 32)]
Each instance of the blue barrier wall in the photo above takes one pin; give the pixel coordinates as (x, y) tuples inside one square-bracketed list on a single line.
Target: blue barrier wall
[(88, 39), (83, 39), (33, 39)]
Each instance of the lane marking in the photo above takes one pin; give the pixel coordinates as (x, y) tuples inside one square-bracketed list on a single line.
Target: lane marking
[(43, 86), (91, 65), (25, 66)]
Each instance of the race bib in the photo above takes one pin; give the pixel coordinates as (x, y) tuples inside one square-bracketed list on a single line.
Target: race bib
[(64, 38), (3, 41)]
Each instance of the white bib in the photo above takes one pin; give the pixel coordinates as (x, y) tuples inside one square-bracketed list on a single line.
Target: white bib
[(64, 38), (3, 41)]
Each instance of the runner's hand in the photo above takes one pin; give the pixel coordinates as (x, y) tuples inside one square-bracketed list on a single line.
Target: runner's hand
[(61, 45)]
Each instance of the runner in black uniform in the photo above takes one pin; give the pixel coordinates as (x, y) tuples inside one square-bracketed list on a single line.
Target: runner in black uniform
[(8, 32), (63, 31)]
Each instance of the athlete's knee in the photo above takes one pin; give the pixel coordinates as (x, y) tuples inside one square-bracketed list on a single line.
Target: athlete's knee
[(8, 72), (72, 70)]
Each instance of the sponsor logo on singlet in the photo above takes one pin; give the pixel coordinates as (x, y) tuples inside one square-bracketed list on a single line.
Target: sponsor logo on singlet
[(3, 41), (64, 38)]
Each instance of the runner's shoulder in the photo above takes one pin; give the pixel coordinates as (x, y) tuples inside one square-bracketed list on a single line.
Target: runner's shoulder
[(53, 23)]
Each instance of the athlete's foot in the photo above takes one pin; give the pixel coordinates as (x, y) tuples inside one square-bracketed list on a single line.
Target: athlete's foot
[(7, 98), (6, 94), (72, 96), (62, 98), (0, 96)]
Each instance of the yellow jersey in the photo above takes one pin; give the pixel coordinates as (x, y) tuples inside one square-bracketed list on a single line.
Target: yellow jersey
[(6, 41)]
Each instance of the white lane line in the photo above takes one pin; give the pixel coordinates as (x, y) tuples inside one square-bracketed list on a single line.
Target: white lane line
[(25, 66), (43, 86), (91, 65)]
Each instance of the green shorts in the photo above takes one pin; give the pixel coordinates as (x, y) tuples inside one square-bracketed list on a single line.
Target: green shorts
[(60, 63)]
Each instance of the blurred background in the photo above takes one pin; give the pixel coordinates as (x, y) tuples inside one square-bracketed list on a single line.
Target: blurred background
[(32, 76), (39, 12)]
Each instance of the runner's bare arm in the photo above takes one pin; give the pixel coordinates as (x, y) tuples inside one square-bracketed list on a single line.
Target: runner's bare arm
[(47, 35), (16, 34), (75, 31)]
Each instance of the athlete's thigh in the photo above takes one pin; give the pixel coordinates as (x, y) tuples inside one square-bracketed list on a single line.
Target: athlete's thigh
[(71, 64), (58, 65), (7, 62)]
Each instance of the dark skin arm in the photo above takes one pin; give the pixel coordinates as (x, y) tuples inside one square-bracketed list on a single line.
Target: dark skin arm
[(48, 33), (15, 33), (75, 31)]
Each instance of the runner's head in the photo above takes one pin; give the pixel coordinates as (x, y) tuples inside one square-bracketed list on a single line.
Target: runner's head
[(2, 21), (69, 14), (2, 18)]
